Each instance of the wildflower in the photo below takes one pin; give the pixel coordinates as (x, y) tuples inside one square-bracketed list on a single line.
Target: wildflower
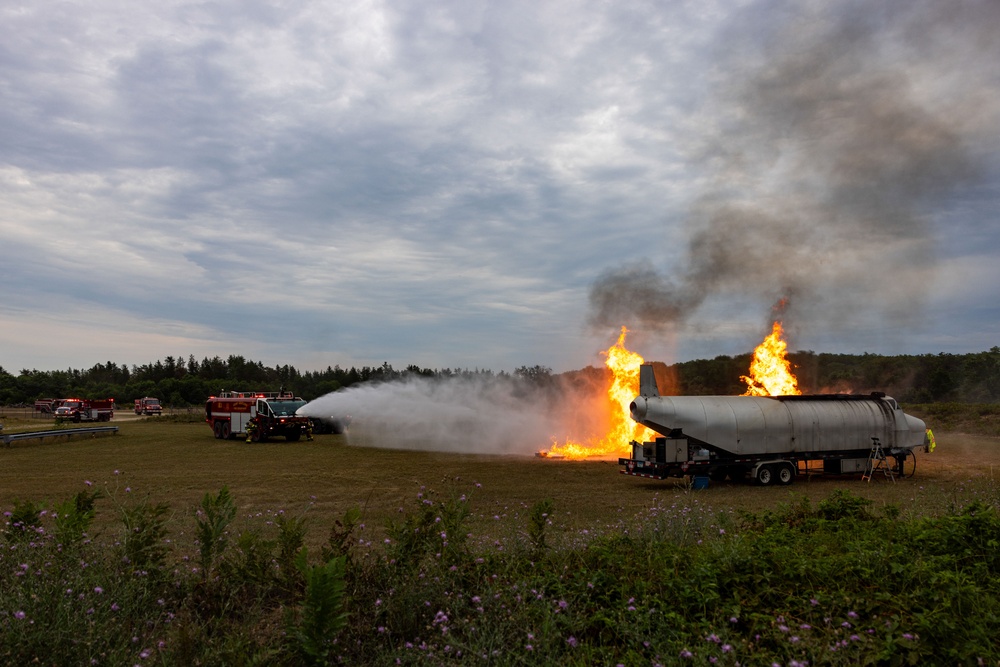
[(813, 601), (907, 635), (686, 654), (87, 482), (19, 614), (528, 647), (852, 614), (114, 606), (98, 590), (572, 642)]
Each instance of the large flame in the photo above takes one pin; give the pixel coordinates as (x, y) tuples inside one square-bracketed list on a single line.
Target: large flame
[(770, 371), (624, 365)]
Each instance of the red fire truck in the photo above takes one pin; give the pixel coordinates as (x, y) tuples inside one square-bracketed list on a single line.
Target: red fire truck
[(86, 409), (262, 414), (148, 406)]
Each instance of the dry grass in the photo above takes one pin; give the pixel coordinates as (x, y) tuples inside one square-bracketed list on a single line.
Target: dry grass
[(179, 462)]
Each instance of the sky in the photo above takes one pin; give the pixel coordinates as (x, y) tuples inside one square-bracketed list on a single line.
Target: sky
[(476, 184)]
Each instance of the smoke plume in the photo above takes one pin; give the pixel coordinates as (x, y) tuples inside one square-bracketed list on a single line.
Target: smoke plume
[(478, 414), (835, 133)]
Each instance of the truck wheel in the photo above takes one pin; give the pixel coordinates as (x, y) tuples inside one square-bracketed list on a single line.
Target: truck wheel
[(217, 429), (292, 436), (227, 430), (786, 475), (765, 476)]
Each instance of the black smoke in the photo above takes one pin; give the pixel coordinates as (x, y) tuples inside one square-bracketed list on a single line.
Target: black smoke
[(833, 134)]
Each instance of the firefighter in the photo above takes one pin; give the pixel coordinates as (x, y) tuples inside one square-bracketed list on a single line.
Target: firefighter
[(309, 430), (251, 427)]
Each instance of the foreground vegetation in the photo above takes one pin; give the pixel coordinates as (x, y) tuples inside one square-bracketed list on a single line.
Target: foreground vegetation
[(837, 582)]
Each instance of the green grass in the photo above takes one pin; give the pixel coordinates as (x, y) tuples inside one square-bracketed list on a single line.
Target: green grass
[(222, 552)]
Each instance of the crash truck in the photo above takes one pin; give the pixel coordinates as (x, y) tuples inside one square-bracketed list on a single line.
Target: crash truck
[(86, 409), (148, 406), (261, 414), (771, 440)]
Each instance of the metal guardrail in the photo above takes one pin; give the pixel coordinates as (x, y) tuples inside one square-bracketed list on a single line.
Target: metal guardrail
[(93, 430)]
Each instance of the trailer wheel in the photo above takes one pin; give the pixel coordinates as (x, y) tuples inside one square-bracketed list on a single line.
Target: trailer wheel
[(765, 476), (786, 475)]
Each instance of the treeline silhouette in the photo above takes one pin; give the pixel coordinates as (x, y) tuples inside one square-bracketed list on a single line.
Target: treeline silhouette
[(963, 378)]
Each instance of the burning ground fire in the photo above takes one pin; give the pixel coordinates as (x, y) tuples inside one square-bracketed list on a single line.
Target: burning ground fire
[(624, 365), (770, 375)]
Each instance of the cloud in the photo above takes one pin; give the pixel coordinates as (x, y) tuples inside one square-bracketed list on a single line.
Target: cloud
[(443, 183)]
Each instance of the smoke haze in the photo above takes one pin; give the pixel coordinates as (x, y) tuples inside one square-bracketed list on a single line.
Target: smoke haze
[(831, 135), (481, 414)]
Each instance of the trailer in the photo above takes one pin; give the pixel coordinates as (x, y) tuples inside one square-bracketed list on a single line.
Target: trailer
[(770, 439), (257, 415)]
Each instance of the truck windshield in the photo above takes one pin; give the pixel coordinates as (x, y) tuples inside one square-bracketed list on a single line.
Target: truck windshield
[(285, 407)]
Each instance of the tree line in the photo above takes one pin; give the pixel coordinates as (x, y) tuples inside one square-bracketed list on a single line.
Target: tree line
[(963, 378)]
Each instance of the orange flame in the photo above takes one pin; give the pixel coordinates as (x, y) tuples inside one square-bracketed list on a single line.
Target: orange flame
[(770, 371), (624, 365)]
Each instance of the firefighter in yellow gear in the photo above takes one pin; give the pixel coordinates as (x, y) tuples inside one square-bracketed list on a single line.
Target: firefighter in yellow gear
[(309, 430), (251, 427)]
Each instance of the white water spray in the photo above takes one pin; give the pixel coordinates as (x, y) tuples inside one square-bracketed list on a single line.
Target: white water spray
[(472, 415)]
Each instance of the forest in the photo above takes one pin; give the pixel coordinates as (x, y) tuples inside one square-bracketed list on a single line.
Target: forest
[(927, 378)]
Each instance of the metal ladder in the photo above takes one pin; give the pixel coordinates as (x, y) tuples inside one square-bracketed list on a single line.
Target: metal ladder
[(876, 462)]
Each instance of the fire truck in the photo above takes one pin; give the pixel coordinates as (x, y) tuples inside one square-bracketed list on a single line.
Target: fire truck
[(260, 413), (46, 406), (86, 409), (148, 406)]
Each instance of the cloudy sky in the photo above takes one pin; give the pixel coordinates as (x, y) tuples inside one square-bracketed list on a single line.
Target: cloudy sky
[(495, 184)]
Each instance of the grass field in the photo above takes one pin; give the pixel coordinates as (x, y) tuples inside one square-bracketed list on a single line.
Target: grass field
[(178, 462), (124, 549)]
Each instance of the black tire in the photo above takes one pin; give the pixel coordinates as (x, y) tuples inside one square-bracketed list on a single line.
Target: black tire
[(217, 429), (785, 474), (227, 430), (293, 436), (765, 476), (256, 436)]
